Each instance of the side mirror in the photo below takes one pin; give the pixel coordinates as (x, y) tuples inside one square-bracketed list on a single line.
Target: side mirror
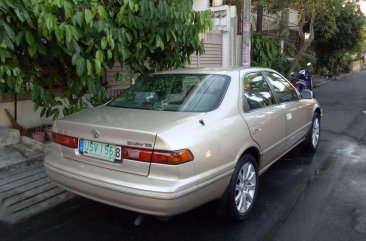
[(306, 94)]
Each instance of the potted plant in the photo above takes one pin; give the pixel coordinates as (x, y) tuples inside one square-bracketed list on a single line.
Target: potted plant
[(39, 134)]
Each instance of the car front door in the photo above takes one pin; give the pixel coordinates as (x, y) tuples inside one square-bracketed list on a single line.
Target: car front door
[(296, 110), (264, 117)]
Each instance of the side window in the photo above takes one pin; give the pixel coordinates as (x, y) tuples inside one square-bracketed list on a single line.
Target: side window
[(283, 88), (257, 91)]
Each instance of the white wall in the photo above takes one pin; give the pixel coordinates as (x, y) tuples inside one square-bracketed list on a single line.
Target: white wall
[(293, 18), (201, 5), (27, 117)]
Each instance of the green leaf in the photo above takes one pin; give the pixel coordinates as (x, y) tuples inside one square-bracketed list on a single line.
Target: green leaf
[(59, 3), (129, 37), (111, 43), (19, 38), (19, 15), (59, 32), (89, 48), (75, 57), (88, 16), (32, 51), (117, 76), (104, 43), (7, 41), (89, 67), (43, 111), (131, 5), (139, 45), (3, 55), (8, 30), (29, 38), (57, 114), (109, 54), (79, 19), (68, 34), (159, 42), (99, 56), (101, 11), (80, 66), (75, 32), (98, 67), (36, 106), (53, 112), (48, 112), (68, 8)]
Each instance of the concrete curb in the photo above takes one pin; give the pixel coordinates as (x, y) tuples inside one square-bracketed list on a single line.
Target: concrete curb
[(320, 82)]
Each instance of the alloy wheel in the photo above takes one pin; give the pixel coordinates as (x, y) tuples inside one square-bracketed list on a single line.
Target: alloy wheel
[(245, 187), (316, 132)]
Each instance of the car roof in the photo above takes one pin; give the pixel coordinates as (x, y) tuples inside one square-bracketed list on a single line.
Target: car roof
[(213, 70)]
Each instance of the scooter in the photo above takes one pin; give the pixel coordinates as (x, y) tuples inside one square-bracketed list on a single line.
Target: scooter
[(305, 77), (303, 80)]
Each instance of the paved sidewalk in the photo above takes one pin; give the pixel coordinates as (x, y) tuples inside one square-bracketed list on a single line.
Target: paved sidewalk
[(27, 192), (25, 189)]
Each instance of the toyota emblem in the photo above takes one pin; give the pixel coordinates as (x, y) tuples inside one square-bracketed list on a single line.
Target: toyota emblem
[(94, 133)]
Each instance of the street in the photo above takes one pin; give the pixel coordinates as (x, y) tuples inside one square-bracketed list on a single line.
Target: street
[(319, 196)]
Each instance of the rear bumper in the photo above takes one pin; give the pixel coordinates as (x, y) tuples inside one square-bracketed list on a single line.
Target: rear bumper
[(128, 191)]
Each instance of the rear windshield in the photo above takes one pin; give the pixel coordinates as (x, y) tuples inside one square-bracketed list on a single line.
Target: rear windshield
[(175, 92)]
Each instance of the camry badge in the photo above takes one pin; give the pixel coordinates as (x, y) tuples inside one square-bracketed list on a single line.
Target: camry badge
[(94, 133)]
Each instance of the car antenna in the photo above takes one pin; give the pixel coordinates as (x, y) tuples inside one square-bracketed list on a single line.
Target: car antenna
[(202, 122)]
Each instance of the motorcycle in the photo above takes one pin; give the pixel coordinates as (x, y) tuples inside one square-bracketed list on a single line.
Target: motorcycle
[(303, 80)]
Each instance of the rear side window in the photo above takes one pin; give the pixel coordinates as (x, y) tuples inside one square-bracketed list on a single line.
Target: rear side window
[(175, 92), (282, 87), (257, 91)]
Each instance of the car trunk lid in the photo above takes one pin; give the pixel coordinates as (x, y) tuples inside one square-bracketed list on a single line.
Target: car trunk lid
[(120, 127)]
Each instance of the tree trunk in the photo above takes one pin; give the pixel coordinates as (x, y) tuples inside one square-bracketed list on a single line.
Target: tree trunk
[(304, 43)]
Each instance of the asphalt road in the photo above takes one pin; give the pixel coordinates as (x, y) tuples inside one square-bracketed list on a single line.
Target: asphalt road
[(302, 197)]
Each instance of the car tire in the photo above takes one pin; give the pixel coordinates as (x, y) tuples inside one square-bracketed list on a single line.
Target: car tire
[(311, 141), (243, 188)]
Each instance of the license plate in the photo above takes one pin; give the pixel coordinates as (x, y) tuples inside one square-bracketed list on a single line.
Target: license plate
[(103, 151)]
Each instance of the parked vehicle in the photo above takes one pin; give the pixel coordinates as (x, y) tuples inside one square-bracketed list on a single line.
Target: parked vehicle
[(178, 139), (304, 77)]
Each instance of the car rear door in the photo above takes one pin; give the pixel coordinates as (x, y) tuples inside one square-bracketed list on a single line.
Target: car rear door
[(264, 117), (296, 110)]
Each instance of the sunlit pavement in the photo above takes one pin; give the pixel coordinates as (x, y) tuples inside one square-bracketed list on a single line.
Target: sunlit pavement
[(302, 197)]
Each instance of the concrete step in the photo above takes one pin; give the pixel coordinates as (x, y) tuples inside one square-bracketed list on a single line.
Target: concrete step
[(27, 192), (18, 156), (9, 136)]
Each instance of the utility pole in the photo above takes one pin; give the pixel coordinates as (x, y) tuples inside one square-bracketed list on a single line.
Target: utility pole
[(247, 12)]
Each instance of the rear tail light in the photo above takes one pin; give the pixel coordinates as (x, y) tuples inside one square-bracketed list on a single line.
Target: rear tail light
[(137, 154), (172, 158), (161, 157), (65, 140)]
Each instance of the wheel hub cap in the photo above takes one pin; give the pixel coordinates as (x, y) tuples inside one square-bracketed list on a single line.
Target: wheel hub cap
[(316, 132), (245, 187)]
